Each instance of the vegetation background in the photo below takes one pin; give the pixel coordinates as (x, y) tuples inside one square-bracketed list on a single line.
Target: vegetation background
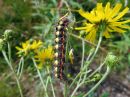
[(36, 20)]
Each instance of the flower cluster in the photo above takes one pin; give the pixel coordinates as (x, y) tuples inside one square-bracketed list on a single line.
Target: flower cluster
[(111, 60), (110, 18), (44, 55), (41, 55), (6, 37), (28, 46)]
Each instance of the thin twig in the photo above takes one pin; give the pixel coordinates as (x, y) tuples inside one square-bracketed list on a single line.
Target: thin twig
[(90, 43)]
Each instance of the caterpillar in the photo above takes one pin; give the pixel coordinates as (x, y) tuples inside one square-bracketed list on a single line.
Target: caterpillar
[(60, 45)]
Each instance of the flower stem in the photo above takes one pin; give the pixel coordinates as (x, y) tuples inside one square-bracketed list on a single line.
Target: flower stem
[(78, 85), (10, 65), (39, 74), (51, 83), (83, 48), (85, 67), (97, 48), (20, 67), (97, 69), (90, 43), (82, 62), (101, 80)]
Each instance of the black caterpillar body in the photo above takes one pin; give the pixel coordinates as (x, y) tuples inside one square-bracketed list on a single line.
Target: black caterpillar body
[(60, 46)]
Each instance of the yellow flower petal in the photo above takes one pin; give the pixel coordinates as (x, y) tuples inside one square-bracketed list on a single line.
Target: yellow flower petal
[(121, 14), (119, 23), (106, 34), (91, 36), (116, 29), (107, 8), (35, 45), (89, 28), (90, 17), (124, 26), (84, 14), (100, 12), (115, 10)]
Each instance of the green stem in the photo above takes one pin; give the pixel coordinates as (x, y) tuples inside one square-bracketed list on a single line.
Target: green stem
[(84, 68), (47, 81), (78, 75), (10, 65), (52, 88), (83, 48), (82, 62), (95, 52), (51, 83), (39, 74), (78, 85), (75, 79), (88, 42), (20, 67), (9, 52), (99, 68), (97, 48), (90, 54), (66, 90), (101, 80), (67, 5)]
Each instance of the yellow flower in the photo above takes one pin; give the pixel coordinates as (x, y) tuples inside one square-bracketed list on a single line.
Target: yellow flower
[(28, 46), (24, 49), (44, 55), (35, 45), (107, 16)]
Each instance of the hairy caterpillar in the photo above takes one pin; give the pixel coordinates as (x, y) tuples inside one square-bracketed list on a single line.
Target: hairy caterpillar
[(60, 45)]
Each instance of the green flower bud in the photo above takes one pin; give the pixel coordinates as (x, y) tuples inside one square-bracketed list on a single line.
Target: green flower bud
[(1, 44), (82, 33), (111, 60), (96, 77), (8, 35)]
